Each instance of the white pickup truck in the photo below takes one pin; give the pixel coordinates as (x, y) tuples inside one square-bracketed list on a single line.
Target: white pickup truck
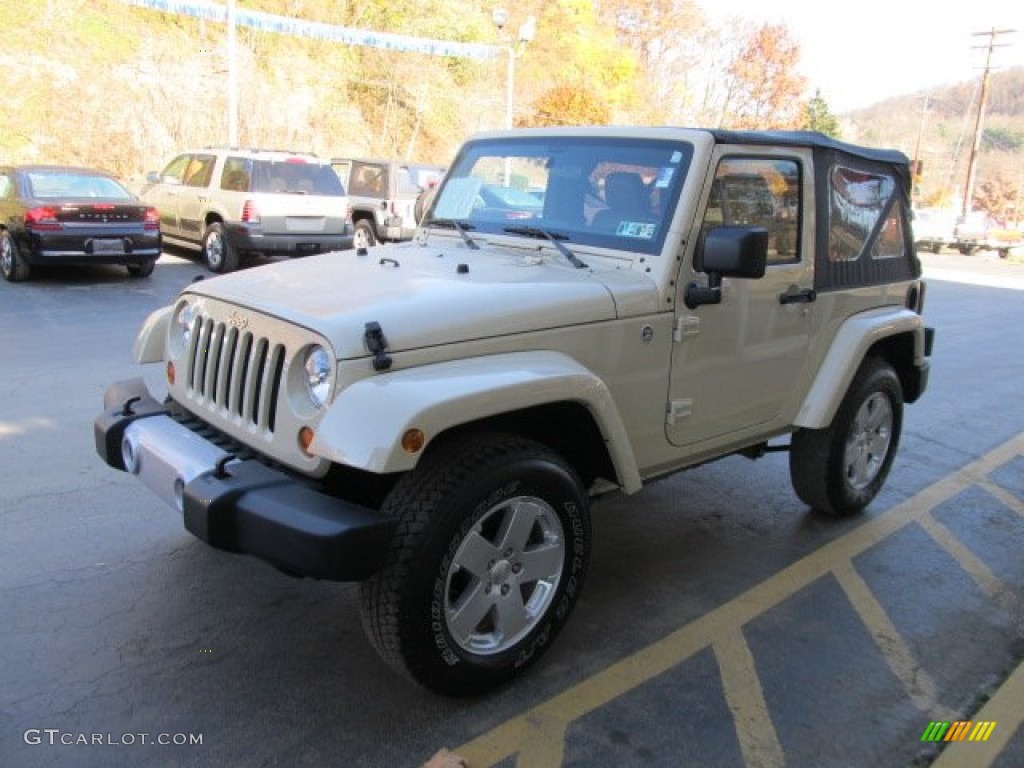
[(433, 418)]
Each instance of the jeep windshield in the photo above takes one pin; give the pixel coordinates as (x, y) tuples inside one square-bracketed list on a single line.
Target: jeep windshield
[(605, 192)]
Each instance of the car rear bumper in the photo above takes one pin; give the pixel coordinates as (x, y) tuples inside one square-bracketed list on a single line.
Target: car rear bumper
[(106, 248), (238, 505), (244, 238)]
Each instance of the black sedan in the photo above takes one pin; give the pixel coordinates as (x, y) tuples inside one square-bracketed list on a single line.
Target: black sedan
[(52, 214)]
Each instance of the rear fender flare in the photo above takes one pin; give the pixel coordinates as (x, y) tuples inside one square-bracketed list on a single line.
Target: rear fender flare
[(846, 352)]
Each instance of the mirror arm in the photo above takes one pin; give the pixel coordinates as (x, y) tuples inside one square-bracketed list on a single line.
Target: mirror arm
[(697, 294)]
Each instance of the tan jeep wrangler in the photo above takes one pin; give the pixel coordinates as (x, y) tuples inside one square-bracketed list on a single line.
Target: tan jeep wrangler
[(584, 310)]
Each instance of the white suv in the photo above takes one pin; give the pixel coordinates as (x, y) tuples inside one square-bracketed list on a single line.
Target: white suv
[(229, 202)]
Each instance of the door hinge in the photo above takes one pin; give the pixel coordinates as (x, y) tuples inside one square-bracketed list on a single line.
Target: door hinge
[(686, 325), (679, 409)]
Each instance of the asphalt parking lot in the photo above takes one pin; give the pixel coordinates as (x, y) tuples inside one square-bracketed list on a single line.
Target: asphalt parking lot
[(722, 624)]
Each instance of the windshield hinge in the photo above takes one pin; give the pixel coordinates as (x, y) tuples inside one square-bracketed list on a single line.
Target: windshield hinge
[(373, 336)]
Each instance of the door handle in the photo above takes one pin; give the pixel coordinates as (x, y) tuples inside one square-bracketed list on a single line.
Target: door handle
[(795, 296)]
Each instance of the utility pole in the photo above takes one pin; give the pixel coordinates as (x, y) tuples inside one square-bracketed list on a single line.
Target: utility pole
[(972, 161)]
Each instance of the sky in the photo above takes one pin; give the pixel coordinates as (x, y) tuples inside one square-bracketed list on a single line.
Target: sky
[(862, 52)]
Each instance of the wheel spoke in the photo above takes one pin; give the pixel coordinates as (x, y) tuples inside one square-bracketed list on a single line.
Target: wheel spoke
[(542, 562), (475, 554), (470, 610), (878, 415), (512, 616), (517, 526)]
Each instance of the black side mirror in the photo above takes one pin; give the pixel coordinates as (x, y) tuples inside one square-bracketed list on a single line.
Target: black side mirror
[(727, 251)]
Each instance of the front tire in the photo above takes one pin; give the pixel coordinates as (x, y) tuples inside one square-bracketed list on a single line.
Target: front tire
[(490, 555), (218, 253), (840, 469), (13, 266)]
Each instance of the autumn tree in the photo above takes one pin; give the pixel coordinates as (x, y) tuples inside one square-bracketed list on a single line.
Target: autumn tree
[(765, 89), (1000, 198), (669, 39), (568, 105), (573, 51)]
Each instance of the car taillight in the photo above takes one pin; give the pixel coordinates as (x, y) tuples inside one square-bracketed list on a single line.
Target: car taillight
[(42, 218), (250, 213), (151, 219)]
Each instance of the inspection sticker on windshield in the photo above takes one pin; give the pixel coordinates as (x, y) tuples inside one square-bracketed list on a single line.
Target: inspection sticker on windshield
[(640, 229)]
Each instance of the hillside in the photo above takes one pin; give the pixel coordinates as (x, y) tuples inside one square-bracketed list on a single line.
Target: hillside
[(106, 83), (937, 127)]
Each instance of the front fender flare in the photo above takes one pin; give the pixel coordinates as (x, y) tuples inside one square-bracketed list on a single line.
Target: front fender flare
[(846, 352), (366, 421), (149, 343)]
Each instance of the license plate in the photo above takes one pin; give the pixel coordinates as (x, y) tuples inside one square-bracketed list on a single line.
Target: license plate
[(102, 246)]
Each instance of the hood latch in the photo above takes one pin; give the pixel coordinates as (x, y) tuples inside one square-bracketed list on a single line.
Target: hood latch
[(373, 336)]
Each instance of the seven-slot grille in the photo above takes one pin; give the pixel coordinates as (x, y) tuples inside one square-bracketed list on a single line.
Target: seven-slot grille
[(233, 370)]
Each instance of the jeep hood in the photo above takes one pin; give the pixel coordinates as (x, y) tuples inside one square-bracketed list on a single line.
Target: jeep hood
[(428, 296)]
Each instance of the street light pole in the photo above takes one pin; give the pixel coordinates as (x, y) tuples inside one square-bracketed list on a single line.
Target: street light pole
[(232, 78), (513, 48), (510, 84)]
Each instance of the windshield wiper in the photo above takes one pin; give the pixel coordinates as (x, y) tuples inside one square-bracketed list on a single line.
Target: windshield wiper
[(459, 227), (556, 239)]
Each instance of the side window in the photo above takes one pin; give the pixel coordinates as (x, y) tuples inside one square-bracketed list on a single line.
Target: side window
[(6, 186), (759, 192), (861, 205), (176, 168), (236, 174), (199, 171)]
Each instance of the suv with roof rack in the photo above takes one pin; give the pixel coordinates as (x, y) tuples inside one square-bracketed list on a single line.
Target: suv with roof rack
[(229, 202), (583, 311)]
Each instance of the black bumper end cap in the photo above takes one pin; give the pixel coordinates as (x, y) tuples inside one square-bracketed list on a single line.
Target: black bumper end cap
[(124, 402), (256, 510)]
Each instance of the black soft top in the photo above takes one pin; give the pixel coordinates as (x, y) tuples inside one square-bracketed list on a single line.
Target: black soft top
[(809, 139)]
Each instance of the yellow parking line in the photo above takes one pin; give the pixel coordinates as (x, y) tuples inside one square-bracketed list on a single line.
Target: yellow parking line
[(1006, 710), (1007, 498), (974, 567), (755, 731), (898, 656), (537, 736)]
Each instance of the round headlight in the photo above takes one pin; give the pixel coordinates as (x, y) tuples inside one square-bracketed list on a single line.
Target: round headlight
[(318, 375), (186, 317)]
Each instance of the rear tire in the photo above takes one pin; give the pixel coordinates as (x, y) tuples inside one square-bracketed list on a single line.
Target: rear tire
[(840, 469), (363, 237), (219, 255), (486, 564), (12, 264), (145, 269)]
